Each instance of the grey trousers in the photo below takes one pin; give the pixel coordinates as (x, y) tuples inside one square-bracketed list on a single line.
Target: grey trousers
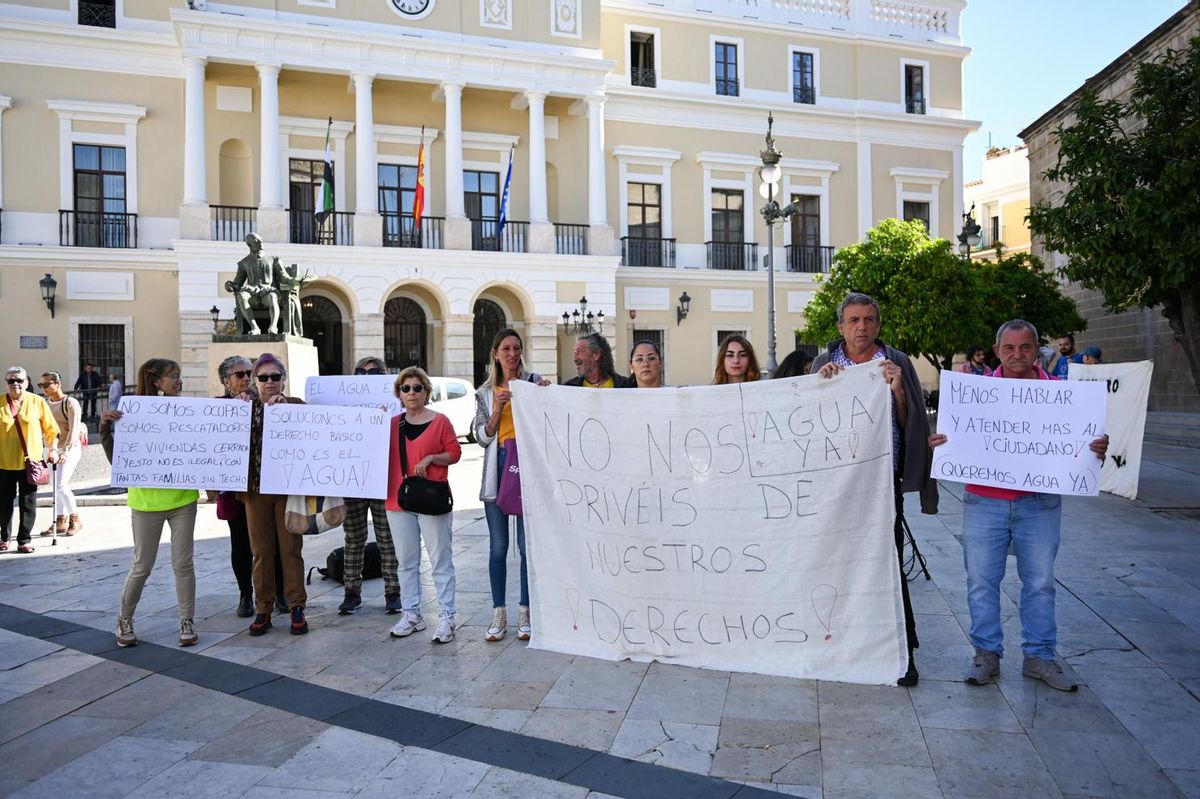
[(147, 532)]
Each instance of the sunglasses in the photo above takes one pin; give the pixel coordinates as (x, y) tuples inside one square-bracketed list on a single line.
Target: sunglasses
[(46, 385), (404, 389), (14, 381), (274, 377), (374, 370), (241, 374)]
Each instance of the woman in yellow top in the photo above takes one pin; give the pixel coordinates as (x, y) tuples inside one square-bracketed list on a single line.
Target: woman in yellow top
[(151, 508), (37, 425), (493, 426)]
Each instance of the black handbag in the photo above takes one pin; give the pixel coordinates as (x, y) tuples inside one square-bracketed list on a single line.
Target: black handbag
[(420, 494)]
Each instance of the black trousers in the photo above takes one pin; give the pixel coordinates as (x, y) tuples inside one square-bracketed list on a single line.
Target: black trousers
[(242, 559), (910, 621), (88, 403), (13, 485)]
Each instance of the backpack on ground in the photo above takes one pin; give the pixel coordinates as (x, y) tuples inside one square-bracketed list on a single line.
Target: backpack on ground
[(335, 565)]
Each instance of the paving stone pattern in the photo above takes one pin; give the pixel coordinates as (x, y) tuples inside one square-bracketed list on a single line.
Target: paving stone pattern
[(348, 711)]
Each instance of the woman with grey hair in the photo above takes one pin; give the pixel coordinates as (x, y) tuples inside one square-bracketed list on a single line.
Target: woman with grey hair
[(27, 432)]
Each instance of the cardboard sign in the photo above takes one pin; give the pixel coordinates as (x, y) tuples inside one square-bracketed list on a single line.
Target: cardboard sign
[(742, 527), (330, 451), (1026, 435), (182, 442), (1128, 391)]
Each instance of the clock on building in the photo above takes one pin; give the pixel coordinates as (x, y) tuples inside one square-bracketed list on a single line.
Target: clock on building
[(413, 8)]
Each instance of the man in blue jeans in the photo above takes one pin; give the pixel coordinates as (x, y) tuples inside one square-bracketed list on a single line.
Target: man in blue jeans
[(994, 518)]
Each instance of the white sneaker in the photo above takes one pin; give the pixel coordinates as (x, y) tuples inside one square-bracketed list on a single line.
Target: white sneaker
[(499, 625), (445, 629), (125, 634), (409, 623), (523, 627), (187, 633)]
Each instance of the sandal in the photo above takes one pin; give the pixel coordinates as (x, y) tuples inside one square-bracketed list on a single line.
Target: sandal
[(3, 546), (25, 549)]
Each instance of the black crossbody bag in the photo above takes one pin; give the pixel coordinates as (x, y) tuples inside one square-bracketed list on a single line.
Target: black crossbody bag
[(420, 494)]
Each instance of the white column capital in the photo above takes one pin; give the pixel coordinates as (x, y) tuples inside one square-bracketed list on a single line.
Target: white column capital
[(363, 80), (449, 88), (268, 70), (194, 61), (595, 101), (537, 95)]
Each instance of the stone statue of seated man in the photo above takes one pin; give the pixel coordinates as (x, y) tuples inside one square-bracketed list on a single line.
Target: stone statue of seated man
[(255, 287)]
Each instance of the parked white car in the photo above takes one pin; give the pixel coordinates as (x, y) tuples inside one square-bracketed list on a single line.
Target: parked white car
[(455, 398)]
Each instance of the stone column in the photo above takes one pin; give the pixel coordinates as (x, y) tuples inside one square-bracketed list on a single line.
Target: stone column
[(272, 216), (368, 227), (600, 238), (368, 337), (194, 213), (458, 227), (458, 346), (541, 231)]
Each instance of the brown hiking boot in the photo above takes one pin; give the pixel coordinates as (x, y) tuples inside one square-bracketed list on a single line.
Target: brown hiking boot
[(57, 526), (73, 526)]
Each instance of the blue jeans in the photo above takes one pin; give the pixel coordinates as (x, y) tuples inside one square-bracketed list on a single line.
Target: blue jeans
[(1032, 525), (497, 522)]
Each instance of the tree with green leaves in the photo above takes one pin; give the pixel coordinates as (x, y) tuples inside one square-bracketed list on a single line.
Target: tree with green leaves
[(1129, 220), (935, 303)]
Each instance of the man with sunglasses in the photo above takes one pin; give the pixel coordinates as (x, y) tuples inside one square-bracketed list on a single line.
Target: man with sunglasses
[(355, 527)]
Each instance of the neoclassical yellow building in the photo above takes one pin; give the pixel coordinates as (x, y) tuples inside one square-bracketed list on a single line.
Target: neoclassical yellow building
[(141, 140)]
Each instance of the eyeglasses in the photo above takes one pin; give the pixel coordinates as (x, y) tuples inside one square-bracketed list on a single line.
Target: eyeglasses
[(274, 377), (14, 381), (645, 358), (374, 370), (241, 374), (404, 389)]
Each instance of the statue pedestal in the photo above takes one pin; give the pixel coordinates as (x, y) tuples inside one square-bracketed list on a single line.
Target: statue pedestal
[(298, 354)]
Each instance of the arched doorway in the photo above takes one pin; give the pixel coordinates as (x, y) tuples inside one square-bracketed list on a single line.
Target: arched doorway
[(323, 324), (405, 334), (489, 320)]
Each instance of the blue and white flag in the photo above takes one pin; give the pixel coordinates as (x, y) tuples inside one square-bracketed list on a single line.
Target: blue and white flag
[(504, 202)]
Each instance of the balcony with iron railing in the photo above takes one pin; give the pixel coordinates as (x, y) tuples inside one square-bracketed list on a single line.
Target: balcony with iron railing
[(97, 229), (98, 14), (808, 258), (643, 76), (642, 251), (914, 105), (233, 222), (734, 255), (336, 229), (727, 87), (804, 94), (570, 238), (399, 230), (511, 239)]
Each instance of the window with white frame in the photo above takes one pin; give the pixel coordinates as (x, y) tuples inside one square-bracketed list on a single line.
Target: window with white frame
[(917, 192), (804, 77), (725, 68), (642, 62), (915, 86)]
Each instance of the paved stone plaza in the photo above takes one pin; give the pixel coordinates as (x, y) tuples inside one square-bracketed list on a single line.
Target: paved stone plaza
[(347, 711)]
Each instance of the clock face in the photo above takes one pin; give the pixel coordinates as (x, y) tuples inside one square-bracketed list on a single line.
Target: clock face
[(413, 8)]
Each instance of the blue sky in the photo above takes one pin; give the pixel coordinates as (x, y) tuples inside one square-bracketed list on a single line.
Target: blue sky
[(1027, 55)]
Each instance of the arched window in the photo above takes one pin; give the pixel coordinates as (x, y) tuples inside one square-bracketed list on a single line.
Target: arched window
[(489, 320), (405, 334), (323, 324)]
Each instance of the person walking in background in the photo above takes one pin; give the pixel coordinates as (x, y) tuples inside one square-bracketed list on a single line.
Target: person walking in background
[(430, 447), (264, 514), (150, 509), (355, 528), (493, 429), (976, 362), (1065, 357), (27, 432), (89, 384), (594, 361), (72, 435), (794, 365), (645, 366), (115, 389), (736, 361)]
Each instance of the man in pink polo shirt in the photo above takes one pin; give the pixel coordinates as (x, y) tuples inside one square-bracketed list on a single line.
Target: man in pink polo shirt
[(994, 518)]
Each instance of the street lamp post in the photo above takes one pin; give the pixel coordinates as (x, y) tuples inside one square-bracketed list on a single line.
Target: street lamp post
[(770, 174), (970, 235)]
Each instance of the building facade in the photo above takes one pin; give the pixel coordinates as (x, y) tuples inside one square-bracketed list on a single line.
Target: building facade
[(1001, 201), (141, 140), (1133, 335)]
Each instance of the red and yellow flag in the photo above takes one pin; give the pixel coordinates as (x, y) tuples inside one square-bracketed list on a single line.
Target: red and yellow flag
[(419, 199)]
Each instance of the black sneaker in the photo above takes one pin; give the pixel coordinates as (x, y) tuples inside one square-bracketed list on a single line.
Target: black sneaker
[(392, 602), (299, 625), (261, 623), (351, 603), (245, 608)]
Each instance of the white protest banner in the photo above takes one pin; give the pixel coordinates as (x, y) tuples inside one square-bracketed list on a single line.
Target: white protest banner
[(1128, 387), (182, 442), (325, 450), (359, 391), (742, 527), (1027, 435)]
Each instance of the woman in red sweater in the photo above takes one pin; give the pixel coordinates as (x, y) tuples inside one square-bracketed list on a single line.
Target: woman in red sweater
[(430, 447)]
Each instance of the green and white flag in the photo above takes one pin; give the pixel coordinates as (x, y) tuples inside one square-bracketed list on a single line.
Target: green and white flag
[(325, 191)]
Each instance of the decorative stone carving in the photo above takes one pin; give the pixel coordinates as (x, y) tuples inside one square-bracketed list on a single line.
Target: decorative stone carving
[(495, 14), (566, 18)]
